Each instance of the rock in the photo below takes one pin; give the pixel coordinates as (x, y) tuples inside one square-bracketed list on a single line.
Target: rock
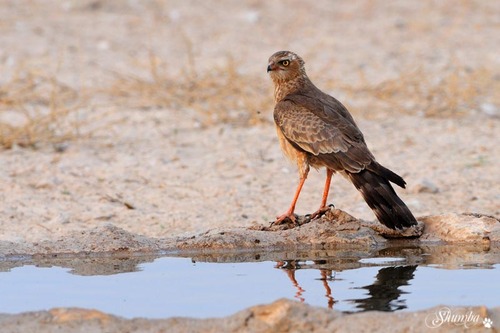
[(105, 238), (461, 228), (280, 316), (382, 230), (490, 110), (334, 228)]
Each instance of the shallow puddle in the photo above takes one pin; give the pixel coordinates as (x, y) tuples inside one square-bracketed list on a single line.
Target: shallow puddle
[(391, 279)]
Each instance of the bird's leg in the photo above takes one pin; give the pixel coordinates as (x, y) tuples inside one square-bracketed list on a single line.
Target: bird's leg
[(290, 212), (323, 208), (324, 277)]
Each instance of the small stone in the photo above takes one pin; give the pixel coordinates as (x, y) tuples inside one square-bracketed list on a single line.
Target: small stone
[(252, 16), (103, 45), (61, 147), (426, 186), (490, 109)]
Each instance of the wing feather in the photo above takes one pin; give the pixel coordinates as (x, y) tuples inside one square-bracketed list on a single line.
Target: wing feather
[(323, 128)]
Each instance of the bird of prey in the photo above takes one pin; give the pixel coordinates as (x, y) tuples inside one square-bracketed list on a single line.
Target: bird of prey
[(315, 129)]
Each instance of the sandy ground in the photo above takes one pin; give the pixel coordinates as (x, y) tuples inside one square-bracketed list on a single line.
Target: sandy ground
[(166, 171)]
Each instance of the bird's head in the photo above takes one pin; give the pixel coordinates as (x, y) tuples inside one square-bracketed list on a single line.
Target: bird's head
[(284, 66)]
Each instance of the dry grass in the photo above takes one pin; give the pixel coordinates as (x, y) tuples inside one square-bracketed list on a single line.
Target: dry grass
[(38, 108), (226, 96), (35, 108), (449, 93), (220, 96)]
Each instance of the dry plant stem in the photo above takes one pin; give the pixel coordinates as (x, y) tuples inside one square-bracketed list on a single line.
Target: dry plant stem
[(48, 110)]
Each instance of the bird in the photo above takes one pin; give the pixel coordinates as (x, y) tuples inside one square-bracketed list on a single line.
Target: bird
[(316, 130)]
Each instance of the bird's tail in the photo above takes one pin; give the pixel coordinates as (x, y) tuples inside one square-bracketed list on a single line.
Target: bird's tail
[(378, 193)]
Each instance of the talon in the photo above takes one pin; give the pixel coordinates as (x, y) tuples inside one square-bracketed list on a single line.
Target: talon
[(320, 212), (282, 218)]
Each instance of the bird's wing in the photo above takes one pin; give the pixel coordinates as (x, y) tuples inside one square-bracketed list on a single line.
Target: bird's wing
[(324, 128)]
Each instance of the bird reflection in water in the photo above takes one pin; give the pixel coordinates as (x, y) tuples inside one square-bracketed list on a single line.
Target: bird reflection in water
[(383, 294), (290, 266)]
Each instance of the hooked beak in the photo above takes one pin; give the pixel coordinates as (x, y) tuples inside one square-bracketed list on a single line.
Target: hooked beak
[(271, 67)]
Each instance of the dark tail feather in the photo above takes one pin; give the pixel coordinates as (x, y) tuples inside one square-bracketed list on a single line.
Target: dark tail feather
[(378, 193), (387, 174)]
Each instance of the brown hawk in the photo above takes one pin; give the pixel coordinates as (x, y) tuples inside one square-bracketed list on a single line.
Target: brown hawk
[(315, 129)]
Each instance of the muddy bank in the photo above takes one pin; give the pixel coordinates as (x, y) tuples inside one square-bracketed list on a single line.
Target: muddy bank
[(334, 229), (446, 256), (450, 241), (280, 316)]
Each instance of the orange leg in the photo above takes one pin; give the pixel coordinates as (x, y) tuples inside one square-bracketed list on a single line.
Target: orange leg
[(324, 278), (290, 212), (289, 267), (300, 291), (322, 209)]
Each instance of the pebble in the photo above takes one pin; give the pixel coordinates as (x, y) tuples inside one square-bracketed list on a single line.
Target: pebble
[(490, 109), (426, 186)]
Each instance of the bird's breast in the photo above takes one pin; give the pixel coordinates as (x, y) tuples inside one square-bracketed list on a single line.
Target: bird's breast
[(300, 157), (288, 150)]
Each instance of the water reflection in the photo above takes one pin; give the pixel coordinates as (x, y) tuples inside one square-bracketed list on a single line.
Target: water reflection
[(383, 294), (83, 265), (291, 266), (346, 279)]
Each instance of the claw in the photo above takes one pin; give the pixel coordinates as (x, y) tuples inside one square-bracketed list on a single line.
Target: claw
[(321, 211), (283, 219)]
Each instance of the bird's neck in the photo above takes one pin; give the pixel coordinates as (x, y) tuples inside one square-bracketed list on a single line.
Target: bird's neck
[(284, 88)]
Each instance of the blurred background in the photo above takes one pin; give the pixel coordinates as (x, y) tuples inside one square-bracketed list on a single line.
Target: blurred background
[(208, 59)]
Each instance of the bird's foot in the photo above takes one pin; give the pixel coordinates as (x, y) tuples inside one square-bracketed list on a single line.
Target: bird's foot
[(321, 211), (287, 218)]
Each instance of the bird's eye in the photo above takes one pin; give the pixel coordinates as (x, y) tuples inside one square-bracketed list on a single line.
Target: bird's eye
[(285, 62)]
